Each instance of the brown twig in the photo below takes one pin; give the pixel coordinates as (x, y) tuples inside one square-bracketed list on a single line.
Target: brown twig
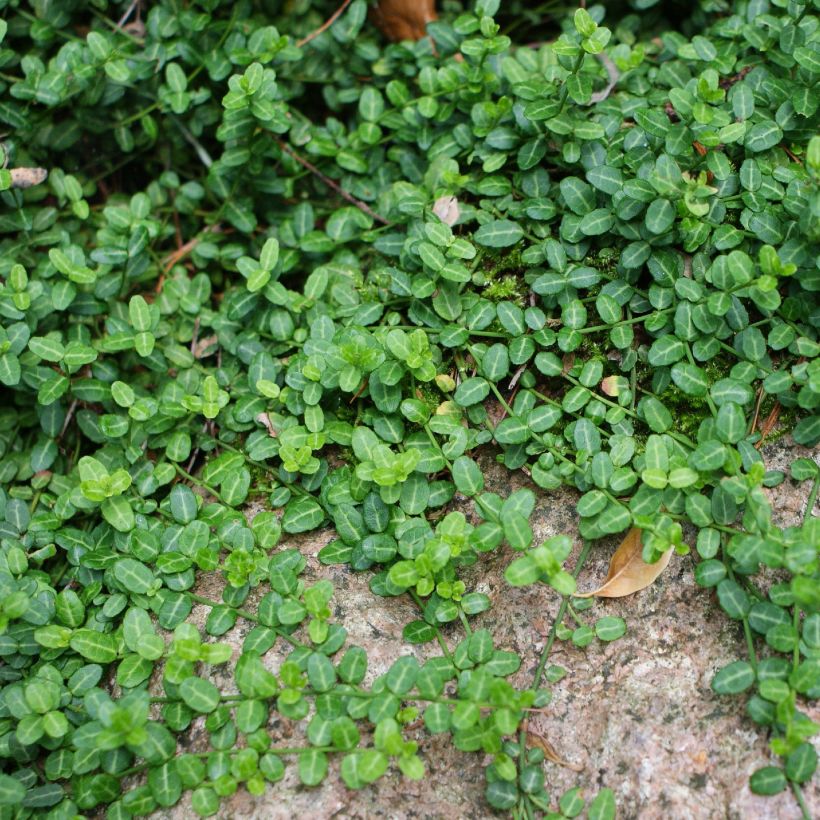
[(195, 335), (128, 12), (612, 74), (792, 155), (362, 206), (178, 229), (358, 392), (68, 416), (516, 376), (325, 26), (180, 253), (768, 425), (757, 410)]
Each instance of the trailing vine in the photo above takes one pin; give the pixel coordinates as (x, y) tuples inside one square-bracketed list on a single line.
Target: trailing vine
[(263, 273)]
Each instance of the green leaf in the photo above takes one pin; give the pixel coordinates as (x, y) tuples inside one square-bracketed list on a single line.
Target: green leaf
[(118, 513), (666, 350), (499, 233), (610, 628), (95, 646), (603, 806), (730, 423), (401, 677), (768, 780), (807, 431), (312, 767), (302, 515), (596, 222), (660, 215), (269, 255), (734, 678), (690, 378), (321, 674), (201, 695), (763, 136), (12, 791), (133, 575), (801, 763), (472, 391), (467, 476)]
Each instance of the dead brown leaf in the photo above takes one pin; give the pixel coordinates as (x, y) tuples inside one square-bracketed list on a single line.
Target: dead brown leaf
[(206, 346), (550, 753), (404, 19), (27, 177), (447, 210), (628, 572), (609, 385), (264, 419)]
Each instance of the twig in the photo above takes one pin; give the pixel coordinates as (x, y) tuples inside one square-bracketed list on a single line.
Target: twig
[(201, 152), (359, 392), (612, 73), (516, 376), (182, 252), (128, 12), (757, 410), (792, 155), (178, 229), (362, 206), (325, 26), (68, 416), (768, 424), (195, 335)]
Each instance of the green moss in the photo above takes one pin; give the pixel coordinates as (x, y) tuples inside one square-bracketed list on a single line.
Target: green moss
[(501, 277), (688, 411), (507, 288)]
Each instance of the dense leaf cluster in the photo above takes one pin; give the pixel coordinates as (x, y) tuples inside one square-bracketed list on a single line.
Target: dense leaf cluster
[(322, 276)]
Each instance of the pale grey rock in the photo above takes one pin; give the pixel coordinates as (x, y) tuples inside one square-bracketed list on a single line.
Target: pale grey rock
[(638, 714)]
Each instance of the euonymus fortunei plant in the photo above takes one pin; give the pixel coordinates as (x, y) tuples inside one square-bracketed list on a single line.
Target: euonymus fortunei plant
[(318, 276)]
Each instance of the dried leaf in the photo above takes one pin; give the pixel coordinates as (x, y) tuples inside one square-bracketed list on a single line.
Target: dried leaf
[(27, 177), (540, 742), (264, 419), (609, 385), (447, 210), (206, 346), (404, 19), (628, 572)]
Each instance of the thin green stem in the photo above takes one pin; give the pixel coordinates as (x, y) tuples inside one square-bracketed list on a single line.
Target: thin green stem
[(188, 477), (539, 671), (747, 630), (439, 637), (798, 795), (545, 653), (248, 616), (812, 499)]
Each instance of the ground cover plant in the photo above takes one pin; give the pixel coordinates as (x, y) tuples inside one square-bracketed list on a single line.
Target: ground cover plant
[(250, 250)]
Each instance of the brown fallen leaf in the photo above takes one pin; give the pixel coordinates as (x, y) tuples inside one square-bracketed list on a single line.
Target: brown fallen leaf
[(404, 19), (628, 572), (206, 346), (447, 210), (264, 419), (550, 753), (610, 385), (27, 177)]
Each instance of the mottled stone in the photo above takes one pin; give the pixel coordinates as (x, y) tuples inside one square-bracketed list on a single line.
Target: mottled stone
[(638, 714)]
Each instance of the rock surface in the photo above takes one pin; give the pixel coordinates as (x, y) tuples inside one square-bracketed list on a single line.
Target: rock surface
[(638, 714)]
